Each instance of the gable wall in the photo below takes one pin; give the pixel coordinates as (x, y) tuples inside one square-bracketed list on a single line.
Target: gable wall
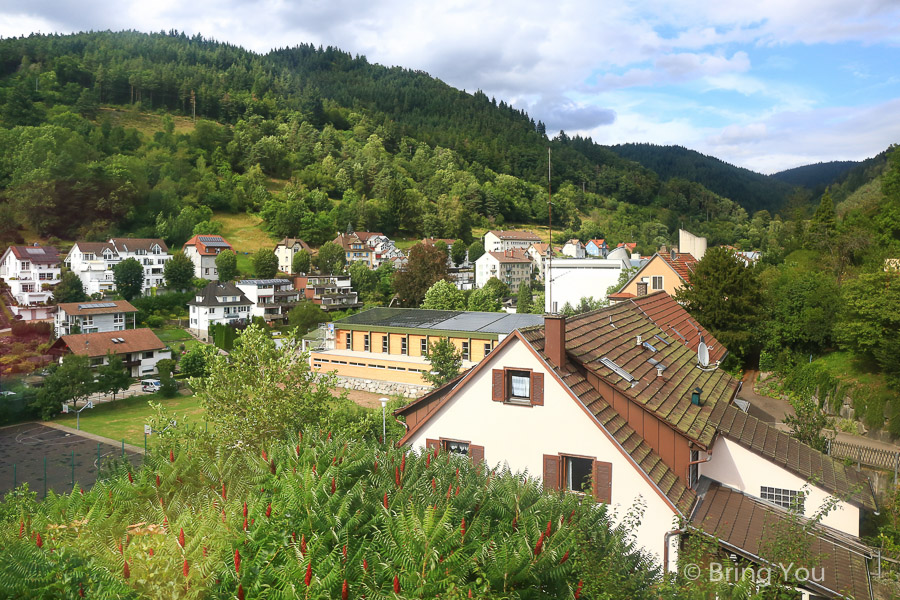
[(657, 266), (519, 436)]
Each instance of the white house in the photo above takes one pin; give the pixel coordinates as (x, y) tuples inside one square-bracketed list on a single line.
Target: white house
[(574, 279), (217, 303), (614, 403), (203, 250), (286, 249), (512, 267), (574, 249), (152, 253), (139, 349), (272, 298), (93, 262), (501, 241), (31, 272), (540, 258), (93, 317)]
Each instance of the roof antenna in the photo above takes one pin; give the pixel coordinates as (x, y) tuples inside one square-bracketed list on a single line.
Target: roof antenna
[(547, 279)]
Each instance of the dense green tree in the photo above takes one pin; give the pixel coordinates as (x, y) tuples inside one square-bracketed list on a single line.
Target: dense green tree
[(870, 321), (301, 263), (265, 263), (496, 289), (476, 249), (524, 299), (445, 361), (195, 362), (724, 296), (112, 377), (179, 271), (363, 279), (168, 386), (305, 316), (70, 382), (69, 289), (129, 277), (482, 300), (443, 295), (458, 252), (802, 309), (331, 258), (226, 265), (426, 266)]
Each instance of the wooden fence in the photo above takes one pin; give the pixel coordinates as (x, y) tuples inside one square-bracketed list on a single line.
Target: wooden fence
[(864, 455)]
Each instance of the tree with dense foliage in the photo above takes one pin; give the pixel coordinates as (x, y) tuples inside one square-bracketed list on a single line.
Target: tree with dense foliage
[(476, 250), (445, 360), (301, 262), (524, 299), (112, 377), (497, 289), (482, 300), (71, 381), (305, 316), (226, 265), (458, 252), (801, 311), (179, 271), (129, 277), (331, 258), (261, 392), (168, 386), (196, 361), (426, 266), (444, 295), (265, 263), (69, 289), (724, 296)]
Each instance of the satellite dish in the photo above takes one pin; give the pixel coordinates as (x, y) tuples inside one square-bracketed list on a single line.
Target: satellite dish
[(703, 355)]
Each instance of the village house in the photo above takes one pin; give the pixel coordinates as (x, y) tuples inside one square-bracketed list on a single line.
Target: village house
[(272, 298), (330, 292), (597, 248), (512, 267), (574, 249), (217, 303), (356, 249), (665, 271), (501, 241), (139, 349), (93, 317), (203, 250), (31, 272), (285, 251), (390, 345), (93, 262), (610, 403), (540, 257)]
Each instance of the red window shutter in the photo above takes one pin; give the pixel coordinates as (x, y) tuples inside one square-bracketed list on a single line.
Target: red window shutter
[(551, 472), (476, 453), (537, 389), (497, 392), (432, 444), (603, 481)]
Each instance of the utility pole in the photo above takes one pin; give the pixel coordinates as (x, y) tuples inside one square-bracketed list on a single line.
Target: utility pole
[(547, 280)]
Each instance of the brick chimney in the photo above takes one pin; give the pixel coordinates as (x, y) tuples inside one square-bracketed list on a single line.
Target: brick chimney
[(555, 339), (642, 288)]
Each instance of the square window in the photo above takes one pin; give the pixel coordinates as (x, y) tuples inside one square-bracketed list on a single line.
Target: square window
[(657, 283), (577, 473), (519, 386), (148, 354)]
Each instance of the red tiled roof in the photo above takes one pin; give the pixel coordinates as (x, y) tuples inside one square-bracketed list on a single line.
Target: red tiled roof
[(629, 245), (516, 235), (201, 246), (669, 316), (597, 243), (97, 344), (682, 263), (621, 296)]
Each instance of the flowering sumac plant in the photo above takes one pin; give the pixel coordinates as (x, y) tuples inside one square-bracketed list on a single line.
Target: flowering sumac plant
[(327, 533)]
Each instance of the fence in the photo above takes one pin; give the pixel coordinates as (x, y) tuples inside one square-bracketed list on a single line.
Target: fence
[(864, 455)]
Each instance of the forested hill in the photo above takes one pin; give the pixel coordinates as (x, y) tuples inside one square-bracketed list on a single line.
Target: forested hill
[(754, 191), (814, 176)]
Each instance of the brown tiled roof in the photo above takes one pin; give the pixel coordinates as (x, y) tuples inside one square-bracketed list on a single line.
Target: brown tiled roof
[(431, 241), (611, 333), (97, 344), (798, 458), (669, 316), (40, 255), (646, 458), (682, 263), (516, 235), (365, 235), (291, 242), (512, 256), (541, 248), (745, 525), (346, 240), (74, 308), (94, 247), (132, 244)]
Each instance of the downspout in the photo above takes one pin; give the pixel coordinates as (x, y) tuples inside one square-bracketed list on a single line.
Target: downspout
[(666, 539)]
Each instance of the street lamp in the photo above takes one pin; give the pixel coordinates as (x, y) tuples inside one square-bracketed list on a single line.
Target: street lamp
[(384, 402)]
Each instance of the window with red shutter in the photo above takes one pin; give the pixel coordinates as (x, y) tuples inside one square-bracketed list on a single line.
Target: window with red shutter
[(603, 481), (476, 453), (551, 472), (537, 389)]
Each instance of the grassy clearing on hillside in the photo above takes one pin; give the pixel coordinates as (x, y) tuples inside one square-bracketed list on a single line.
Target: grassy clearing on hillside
[(146, 123), (244, 231), (851, 369), (124, 419)]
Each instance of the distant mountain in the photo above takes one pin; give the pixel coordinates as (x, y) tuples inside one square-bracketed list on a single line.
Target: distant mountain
[(754, 191), (813, 176)]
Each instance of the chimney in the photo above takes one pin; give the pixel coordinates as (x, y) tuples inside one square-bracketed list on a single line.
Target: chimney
[(555, 339), (642, 288)]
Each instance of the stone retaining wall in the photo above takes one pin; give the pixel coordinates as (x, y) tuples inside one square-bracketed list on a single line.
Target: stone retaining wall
[(388, 388)]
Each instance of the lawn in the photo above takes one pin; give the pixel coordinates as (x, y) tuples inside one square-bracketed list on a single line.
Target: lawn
[(244, 232), (124, 419), (174, 337)]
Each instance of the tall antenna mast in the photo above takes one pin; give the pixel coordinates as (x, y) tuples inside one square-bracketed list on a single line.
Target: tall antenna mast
[(547, 279)]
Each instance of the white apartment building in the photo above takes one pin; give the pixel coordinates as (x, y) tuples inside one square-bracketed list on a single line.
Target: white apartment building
[(286, 249), (31, 272), (203, 250), (573, 279), (272, 298), (93, 262), (512, 267), (501, 241), (217, 303), (153, 254), (93, 317), (139, 349)]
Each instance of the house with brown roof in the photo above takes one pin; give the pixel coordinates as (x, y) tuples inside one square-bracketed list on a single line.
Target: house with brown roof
[(285, 251), (512, 267), (540, 257), (614, 404), (94, 317), (31, 272), (574, 249), (139, 349), (665, 271), (203, 250), (501, 241)]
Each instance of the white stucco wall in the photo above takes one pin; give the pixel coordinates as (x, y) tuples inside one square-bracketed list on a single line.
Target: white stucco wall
[(519, 436), (735, 466), (573, 280)]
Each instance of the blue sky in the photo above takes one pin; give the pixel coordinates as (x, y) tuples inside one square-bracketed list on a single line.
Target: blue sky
[(768, 85)]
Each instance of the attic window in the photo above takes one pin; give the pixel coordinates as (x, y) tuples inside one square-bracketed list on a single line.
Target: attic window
[(518, 386)]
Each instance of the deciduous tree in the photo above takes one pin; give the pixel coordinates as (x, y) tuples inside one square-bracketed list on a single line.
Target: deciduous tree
[(265, 264), (426, 265), (445, 361), (443, 295), (476, 249), (331, 258), (458, 252), (69, 289), (72, 381), (179, 271), (301, 262), (226, 265), (129, 277), (112, 377)]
